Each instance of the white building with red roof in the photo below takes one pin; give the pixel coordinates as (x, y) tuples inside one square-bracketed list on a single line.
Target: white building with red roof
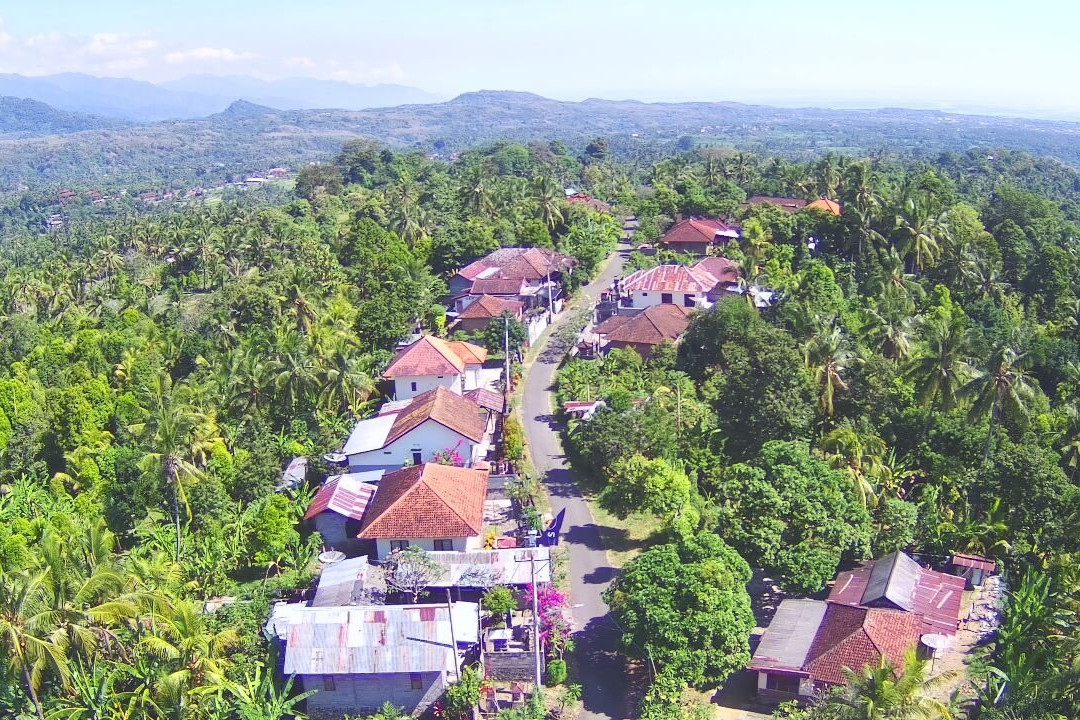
[(530, 275), (696, 286), (432, 362)]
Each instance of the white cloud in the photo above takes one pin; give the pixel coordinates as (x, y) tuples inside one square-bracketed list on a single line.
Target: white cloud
[(300, 62), (205, 54), (389, 73)]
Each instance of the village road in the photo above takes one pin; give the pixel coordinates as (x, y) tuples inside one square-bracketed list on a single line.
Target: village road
[(601, 672)]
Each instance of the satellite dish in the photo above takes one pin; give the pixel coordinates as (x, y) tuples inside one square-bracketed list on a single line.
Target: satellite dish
[(336, 458), (935, 641), (331, 556)]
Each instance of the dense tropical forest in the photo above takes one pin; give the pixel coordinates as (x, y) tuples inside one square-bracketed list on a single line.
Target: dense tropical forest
[(916, 386)]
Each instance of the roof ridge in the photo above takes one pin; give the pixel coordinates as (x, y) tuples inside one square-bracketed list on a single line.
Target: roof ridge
[(394, 503), (443, 348), (453, 508)]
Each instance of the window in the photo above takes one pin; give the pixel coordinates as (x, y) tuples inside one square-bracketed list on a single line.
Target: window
[(417, 457), (444, 545), (688, 300), (415, 681), (412, 386), (666, 298), (328, 683), (782, 683), (398, 545)]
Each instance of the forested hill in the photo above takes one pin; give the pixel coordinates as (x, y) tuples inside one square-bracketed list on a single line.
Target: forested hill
[(20, 116), (258, 137)]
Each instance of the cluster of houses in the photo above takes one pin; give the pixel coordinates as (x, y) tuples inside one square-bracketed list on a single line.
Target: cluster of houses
[(879, 611), (652, 306), (425, 471)]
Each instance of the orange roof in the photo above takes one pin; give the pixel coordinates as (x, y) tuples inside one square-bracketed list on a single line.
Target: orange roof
[(695, 230), (530, 263), (426, 501), (651, 326), (830, 206), (854, 637), (489, 306), (721, 268), (445, 407), (434, 356)]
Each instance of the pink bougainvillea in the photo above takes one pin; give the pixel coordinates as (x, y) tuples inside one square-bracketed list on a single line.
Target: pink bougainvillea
[(553, 611)]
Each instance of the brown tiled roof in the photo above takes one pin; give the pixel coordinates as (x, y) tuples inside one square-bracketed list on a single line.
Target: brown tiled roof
[(432, 356), (724, 270), (498, 286), (788, 204), (694, 230), (829, 206), (488, 306), (854, 637), (651, 326), (530, 263), (427, 501), (445, 407), (468, 353), (669, 278), (485, 398)]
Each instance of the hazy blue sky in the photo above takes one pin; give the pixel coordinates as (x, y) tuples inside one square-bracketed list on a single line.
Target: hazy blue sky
[(929, 53)]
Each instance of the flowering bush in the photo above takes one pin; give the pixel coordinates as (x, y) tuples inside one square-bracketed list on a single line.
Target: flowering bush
[(448, 456), (553, 612)]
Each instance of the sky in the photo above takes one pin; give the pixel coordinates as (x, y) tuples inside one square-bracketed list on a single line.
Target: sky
[(1018, 58)]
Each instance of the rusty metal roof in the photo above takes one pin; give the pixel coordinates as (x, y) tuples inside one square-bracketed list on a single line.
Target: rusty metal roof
[(372, 639)]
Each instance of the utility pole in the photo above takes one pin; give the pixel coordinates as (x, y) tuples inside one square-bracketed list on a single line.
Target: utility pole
[(453, 637), (551, 302), (536, 619), (506, 370)]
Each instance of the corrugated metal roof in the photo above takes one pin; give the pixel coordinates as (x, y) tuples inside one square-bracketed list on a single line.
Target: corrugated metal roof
[(347, 494), (786, 642), (670, 278), (369, 434), (342, 583), (372, 639), (974, 561), (484, 568)]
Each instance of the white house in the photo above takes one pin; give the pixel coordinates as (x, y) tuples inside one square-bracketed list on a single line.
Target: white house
[(338, 506), (412, 432), (698, 286), (434, 507), (358, 657), (432, 362)]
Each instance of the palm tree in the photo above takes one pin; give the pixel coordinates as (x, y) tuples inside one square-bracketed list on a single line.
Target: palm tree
[(1003, 386), (27, 641), (197, 656), (922, 230), (547, 196), (880, 692), (176, 435), (894, 283), (943, 367), (1070, 447), (828, 356), (891, 328), (860, 455), (258, 698)]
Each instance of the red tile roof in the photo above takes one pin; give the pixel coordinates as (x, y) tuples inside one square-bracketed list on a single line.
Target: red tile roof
[(445, 407), (529, 263), (651, 326), (694, 230), (669, 278), (898, 581), (498, 286), (724, 270), (485, 398), (434, 356), (343, 495), (854, 637), (488, 306), (427, 501)]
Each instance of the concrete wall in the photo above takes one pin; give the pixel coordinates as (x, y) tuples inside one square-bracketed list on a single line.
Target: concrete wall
[(472, 376), (427, 438), (642, 300), (403, 385), (382, 546), (364, 694), (332, 528)]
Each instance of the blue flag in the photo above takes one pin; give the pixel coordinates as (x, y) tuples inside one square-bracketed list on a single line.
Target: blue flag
[(550, 536)]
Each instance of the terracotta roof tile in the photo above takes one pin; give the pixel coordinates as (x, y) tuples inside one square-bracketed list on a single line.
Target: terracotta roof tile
[(669, 278), (498, 286), (488, 306), (695, 230), (431, 356), (445, 407), (529, 263), (829, 206), (651, 326), (854, 637), (724, 270), (787, 204), (426, 501)]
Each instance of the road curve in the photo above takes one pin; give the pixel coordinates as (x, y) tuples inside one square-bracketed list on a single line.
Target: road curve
[(600, 670)]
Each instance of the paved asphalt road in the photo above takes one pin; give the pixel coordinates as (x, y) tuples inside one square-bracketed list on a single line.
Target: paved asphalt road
[(602, 677)]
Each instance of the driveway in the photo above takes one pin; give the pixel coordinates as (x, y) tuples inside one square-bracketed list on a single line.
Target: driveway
[(601, 669)]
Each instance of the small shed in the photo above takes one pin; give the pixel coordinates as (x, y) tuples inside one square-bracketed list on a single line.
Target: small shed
[(973, 568)]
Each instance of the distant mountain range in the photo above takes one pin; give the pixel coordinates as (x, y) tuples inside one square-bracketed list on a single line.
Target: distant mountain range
[(198, 95), (19, 116), (245, 136)]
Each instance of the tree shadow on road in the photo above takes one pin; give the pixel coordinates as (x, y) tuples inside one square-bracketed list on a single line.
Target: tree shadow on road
[(601, 670)]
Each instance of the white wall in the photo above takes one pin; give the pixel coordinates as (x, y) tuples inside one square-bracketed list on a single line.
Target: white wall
[(472, 377), (363, 694), (382, 546), (644, 300), (403, 385), (427, 438)]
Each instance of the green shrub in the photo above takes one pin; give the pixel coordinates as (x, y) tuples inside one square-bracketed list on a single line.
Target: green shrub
[(556, 673)]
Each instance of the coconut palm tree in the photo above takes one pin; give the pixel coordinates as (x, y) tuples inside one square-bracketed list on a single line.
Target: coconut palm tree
[(922, 231), (547, 196), (860, 455), (828, 356), (1003, 386), (942, 368), (882, 692)]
